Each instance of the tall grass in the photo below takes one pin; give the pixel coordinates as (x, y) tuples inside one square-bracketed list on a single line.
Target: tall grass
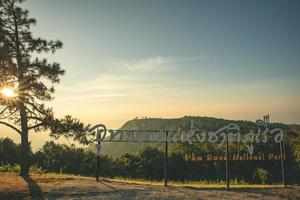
[(233, 181)]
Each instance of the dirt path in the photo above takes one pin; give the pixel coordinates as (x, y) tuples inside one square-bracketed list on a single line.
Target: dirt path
[(53, 186), (87, 189)]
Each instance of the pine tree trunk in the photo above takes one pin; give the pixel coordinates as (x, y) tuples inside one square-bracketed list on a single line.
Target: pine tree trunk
[(25, 165)]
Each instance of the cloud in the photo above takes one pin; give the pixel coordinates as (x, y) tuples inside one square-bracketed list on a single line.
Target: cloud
[(184, 59), (123, 78), (149, 64), (142, 64), (91, 96)]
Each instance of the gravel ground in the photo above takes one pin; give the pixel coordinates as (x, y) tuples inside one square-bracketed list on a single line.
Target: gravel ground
[(83, 189), (45, 186)]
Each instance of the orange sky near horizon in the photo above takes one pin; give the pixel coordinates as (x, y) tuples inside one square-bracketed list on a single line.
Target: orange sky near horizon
[(125, 59)]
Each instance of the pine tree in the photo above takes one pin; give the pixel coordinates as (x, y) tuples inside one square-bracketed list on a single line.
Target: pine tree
[(33, 80)]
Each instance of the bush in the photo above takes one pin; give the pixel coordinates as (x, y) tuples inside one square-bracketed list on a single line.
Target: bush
[(262, 175), (16, 168), (9, 168), (37, 170)]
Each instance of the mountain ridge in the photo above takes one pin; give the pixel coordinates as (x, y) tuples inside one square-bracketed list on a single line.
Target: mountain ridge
[(202, 123)]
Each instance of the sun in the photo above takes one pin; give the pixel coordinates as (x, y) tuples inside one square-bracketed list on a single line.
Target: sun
[(8, 92)]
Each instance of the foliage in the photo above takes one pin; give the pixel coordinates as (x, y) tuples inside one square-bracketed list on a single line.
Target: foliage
[(147, 161), (9, 168), (16, 168), (148, 164), (262, 175), (32, 78), (9, 151)]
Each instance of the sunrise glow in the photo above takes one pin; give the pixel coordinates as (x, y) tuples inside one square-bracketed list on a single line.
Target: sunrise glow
[(8, 92)]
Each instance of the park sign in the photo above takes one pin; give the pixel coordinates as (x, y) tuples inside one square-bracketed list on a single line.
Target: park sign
[(223, 136), (260, 156), (230, 133)]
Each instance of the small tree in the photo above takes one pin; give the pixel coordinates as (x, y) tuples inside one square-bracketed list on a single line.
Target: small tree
[(32, 80), (9, 151)]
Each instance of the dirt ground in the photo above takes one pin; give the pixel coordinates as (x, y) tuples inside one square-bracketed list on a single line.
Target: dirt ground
[(47, 186)]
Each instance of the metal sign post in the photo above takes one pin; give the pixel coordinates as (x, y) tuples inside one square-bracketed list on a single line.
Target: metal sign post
[(227, 164), (282, 155), (166, 160), (100, 128), (98, 162)]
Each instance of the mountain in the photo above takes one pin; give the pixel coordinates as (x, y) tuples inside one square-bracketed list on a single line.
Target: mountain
[(185, 123)]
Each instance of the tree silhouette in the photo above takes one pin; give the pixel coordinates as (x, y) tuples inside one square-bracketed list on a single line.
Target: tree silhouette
[(33, 80)]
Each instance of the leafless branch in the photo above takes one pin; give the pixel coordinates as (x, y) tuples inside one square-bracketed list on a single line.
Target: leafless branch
[(11, 126)]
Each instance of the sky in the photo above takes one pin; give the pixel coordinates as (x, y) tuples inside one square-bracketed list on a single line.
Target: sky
[(134, 58)]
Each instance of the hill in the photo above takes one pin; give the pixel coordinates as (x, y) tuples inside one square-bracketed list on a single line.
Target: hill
[(185, 123)]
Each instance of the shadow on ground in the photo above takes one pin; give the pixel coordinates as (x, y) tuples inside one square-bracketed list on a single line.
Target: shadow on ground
[(34, 189), (31, 190), (99, 190), (252, 191)]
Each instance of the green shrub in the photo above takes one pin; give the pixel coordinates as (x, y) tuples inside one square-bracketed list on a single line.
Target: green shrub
[(262, 175), (9, 168), (16, 168), (37, 170)]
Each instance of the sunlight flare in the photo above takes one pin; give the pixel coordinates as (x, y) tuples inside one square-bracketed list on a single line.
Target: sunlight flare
[(8, 92)]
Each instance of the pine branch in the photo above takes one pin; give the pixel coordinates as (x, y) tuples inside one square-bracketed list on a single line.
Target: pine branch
[(40, 110), (11, 126), (3, 110), (35, 118), (36, 126), (9, 115)]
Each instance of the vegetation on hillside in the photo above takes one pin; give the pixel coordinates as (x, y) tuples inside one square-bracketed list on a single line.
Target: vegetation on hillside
[(148, 162), (201, 123), (29, 80)]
